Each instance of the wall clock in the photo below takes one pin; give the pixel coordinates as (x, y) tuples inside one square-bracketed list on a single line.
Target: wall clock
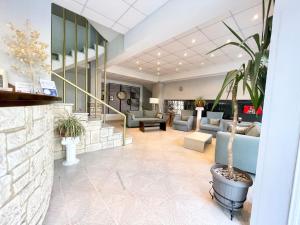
[(121, 95)]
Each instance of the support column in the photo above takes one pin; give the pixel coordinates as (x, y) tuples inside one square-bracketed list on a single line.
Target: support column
[(199, 116)]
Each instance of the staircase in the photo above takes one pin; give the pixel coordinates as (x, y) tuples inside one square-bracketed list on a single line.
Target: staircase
[(98, 136)]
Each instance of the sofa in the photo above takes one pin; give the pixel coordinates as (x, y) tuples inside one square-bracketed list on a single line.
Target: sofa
[(133, 118), (245, 150), (207, 127), (184, 121)]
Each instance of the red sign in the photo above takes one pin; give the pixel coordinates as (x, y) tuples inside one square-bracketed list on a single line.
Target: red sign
[(249, 109)]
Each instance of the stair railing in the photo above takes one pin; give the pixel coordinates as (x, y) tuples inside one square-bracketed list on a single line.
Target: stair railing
[(98, 100)]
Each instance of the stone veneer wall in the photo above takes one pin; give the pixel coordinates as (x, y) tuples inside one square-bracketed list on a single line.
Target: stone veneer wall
[(26, 164)]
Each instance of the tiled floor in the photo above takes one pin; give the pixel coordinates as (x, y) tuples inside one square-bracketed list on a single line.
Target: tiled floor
[(154, 181)]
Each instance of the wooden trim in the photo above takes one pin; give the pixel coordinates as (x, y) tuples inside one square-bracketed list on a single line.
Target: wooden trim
[(10, 99)]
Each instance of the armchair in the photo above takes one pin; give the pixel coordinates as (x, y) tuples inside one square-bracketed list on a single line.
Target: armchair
[(184, 121), (209, 128)]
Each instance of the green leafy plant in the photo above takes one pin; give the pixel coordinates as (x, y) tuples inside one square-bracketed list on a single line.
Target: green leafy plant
[(70, 127), (252, 74), (200, 102)]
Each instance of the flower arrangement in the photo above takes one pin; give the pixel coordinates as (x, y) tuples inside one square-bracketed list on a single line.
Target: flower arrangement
[(30, 53)]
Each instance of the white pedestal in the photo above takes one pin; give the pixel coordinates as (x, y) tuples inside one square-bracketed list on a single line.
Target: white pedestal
[(70, 143), (199, 115)]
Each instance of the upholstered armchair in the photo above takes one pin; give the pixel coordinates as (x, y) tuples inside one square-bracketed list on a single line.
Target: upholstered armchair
[(207, 126), (184, 121)]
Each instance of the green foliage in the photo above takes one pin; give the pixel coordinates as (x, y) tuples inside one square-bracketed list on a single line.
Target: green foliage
[(200, 102), (70, 127), (254, 72)]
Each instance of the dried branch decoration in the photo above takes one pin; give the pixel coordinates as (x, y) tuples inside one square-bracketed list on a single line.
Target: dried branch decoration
[(25, 47)]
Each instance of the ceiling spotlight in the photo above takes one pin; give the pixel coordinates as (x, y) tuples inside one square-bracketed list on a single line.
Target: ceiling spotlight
[(240, 55), (212, 55), (158, 69), (158, 63), (193, 41), (140, 68), (180, 63), (185, 54), (137, 62), (176, 69), (202, 63), (158, 73), (158, 54), (255, 17)]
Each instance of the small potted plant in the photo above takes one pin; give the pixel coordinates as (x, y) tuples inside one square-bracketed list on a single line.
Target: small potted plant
[(70, 129), (200, 102)]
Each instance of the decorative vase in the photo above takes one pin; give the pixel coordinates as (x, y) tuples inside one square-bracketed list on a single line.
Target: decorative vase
[(70, 143)]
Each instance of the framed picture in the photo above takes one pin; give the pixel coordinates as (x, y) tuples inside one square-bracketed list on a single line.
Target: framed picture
[(24, 87), (48, 87)]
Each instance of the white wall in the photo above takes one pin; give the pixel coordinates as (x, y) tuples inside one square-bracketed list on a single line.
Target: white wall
[(207, 87), (17, 11)]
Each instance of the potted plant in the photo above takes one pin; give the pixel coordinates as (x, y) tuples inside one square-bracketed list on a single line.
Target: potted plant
[(70, 129), (230, 184), (200, 102)]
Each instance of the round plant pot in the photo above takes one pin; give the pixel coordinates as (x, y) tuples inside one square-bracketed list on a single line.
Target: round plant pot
[(230, 194), (70, 143)]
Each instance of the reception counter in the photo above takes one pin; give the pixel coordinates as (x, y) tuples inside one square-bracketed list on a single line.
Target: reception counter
[(26, 158)]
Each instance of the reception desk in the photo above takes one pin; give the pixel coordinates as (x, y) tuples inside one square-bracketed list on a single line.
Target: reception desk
[(26, 157)]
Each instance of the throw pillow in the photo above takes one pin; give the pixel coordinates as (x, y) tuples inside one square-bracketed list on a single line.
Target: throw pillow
[(159, 115), (254, 131), (215, 122), (239, 129)]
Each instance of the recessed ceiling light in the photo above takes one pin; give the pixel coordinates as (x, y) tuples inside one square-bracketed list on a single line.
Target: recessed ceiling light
[(240, 55), (158, 69), (140, 68), (185, 54), (180, 63), (137, 62), (212, 55), (158, 63), (176, 69), (202, 63), (158, 54), (158, 73), (193, 41), (228, 41), (255, 17)]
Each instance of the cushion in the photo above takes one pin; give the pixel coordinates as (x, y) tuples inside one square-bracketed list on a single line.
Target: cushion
[(149, 114), (254, 131), (185, 118), (180, 122), (146, 119), (137, 114), (239, 129), (215, 122), (159, 115), (209, 127), (214, 115)]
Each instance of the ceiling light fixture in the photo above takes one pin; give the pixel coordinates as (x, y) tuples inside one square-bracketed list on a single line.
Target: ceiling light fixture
[(137, 62), (158, 69), (180, 63), (158, 54), (193, 41), (185, 54), (240, 55), (158, 63), (158, 73), (255, 17), (140, 68), (202, 63), (176, 69)]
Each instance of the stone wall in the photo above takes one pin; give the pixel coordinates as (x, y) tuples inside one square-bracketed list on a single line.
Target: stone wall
[(26, 164)]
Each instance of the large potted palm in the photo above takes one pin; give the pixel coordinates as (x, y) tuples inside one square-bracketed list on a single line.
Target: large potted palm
[(230, 184), (70, 129)]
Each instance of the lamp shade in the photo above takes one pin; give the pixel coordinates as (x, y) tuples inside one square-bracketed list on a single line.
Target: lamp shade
[(154, 101)]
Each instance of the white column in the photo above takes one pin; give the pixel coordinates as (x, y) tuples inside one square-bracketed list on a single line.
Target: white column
[(199, 115), (280, 133)]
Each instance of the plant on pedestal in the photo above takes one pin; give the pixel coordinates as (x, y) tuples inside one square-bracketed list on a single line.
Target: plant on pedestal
[(200, 102), (70, 129), (231, 184)]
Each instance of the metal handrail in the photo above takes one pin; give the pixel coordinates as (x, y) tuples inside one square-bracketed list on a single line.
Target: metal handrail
[(97, 99)]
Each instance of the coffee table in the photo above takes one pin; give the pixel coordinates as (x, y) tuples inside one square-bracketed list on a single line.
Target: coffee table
[(197, 140), (153, 123)]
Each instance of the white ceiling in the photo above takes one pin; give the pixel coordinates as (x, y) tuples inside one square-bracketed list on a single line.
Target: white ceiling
[(180, 53), (119, 15)]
